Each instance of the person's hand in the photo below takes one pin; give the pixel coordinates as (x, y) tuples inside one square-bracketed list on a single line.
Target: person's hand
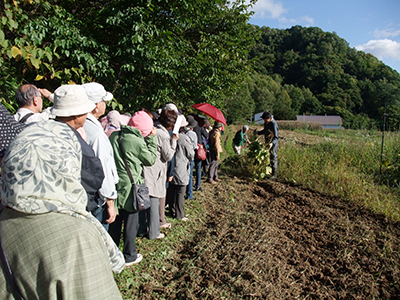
[(153, 131), (175, 137), (45, 93), (270, 146), (112, 213), (170, 178)]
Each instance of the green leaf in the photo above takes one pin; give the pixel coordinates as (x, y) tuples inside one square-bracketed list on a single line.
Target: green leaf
[(35, 62), (4, 43), (15, 52), (49, 56), (39, 77), (13, 24), (8, 14)]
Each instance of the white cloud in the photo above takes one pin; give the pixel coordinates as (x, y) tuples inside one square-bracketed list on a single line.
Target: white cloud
[(385, 33), (268, 8), (273, 9), (382, 48)]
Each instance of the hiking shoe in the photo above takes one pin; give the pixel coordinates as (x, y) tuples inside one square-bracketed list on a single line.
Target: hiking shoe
[(211, 181), (166, 225), (160, 236), (217, 180), (138, 259), (184, 219), (199, 189)]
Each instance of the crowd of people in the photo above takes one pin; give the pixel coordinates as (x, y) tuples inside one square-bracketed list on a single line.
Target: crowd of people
[(66, 186), (66, 192)]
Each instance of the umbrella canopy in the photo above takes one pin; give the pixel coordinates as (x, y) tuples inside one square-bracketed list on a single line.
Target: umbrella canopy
[(211, 111)]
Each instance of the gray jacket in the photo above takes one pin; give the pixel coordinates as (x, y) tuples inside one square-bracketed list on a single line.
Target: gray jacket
[(183, 156), (156, 176)]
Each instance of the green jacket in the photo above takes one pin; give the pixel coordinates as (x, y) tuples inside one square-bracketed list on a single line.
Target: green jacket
[(139, 152), (240, 138)]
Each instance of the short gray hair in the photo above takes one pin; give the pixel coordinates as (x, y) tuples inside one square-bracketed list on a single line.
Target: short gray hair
[(25, 94)]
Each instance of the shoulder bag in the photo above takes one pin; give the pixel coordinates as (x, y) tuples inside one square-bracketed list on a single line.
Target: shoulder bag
[(140, 192)]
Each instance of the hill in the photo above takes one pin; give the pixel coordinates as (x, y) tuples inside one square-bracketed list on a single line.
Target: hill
[(308, 71)]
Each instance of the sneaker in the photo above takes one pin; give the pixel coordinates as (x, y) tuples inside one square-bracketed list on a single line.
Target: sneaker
[(217, 180), (139, 258), (166, 225), (184, 219), (211, 181), (199, 189), (160, 236), (142, 234)]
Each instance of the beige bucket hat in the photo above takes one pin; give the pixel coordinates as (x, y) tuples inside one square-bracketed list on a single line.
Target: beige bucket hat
[(71, 100)]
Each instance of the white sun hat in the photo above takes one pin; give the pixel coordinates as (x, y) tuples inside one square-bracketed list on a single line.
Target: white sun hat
[(96, 92), (71, 100)]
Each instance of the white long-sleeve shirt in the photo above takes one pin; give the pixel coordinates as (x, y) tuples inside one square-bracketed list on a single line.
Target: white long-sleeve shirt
[(36, 117), (98, 140)]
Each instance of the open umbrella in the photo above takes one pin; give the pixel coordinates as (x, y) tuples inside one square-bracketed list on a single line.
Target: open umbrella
[(211, 111)]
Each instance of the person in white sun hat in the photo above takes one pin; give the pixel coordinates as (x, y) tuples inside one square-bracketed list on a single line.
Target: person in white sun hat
[(98, 140), (54, 247)]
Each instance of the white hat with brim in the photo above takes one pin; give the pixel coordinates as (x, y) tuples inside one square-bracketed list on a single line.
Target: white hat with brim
[(170, 106), (96, 92), (184, 122), (71, 100)]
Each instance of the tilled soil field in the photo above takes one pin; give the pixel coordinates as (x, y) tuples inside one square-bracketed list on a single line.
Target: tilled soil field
[(271, 240)]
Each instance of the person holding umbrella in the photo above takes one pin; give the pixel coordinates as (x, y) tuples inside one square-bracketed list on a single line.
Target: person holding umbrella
[(215, 150)]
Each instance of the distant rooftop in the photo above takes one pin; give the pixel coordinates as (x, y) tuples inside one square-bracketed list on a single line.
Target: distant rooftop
[(323, 120)]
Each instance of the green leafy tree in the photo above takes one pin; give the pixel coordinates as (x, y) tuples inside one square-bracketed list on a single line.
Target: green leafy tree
[(146, 52), (338, 79)]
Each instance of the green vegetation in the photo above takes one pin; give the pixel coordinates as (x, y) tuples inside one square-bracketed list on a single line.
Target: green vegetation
[(342, 163), (346, 164), (145, 52), (151, 52), (308, 71)]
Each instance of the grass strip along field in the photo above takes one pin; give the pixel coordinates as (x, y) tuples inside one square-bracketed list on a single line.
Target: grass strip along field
[(326, 229)]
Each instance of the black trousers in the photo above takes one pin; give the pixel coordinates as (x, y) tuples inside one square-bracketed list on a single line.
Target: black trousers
[(131, 227), (176, 200)]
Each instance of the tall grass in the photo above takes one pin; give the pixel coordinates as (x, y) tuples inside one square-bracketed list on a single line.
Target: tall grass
[(346, 164)]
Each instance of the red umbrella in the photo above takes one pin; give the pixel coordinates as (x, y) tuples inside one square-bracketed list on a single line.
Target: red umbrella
[(211, 111)]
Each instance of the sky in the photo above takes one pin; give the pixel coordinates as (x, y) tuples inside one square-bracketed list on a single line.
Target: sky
[(372, 26)]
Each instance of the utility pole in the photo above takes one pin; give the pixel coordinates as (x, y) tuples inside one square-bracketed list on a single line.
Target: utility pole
[(383, 138)]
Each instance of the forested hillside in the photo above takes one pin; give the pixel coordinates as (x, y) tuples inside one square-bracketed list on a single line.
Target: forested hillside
[(308, 71)]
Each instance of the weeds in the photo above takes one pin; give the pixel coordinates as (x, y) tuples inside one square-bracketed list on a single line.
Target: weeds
[(347, 166)]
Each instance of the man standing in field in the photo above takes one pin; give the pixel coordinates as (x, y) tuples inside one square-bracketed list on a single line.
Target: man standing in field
[(271, 134)]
